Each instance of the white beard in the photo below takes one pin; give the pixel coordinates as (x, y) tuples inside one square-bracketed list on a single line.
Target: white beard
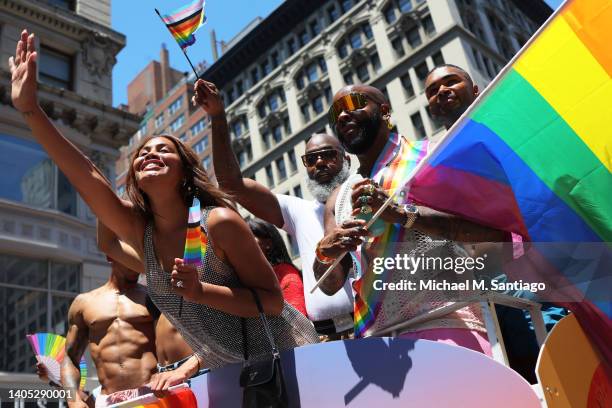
[(321, 191)]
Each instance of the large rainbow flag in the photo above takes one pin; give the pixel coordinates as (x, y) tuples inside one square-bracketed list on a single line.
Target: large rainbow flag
[(534, 154), (184, 22)]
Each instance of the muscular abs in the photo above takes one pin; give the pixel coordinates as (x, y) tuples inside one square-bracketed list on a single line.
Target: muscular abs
[(121, 338)]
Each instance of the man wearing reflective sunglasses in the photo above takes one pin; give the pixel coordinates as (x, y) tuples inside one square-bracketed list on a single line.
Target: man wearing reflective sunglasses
[(327, 166), (360, 117)]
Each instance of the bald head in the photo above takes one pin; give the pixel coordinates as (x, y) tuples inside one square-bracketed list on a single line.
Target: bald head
[(322, 140), (375, 94)]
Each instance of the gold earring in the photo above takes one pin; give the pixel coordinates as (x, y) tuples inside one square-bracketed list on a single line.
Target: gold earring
[(389, 125)]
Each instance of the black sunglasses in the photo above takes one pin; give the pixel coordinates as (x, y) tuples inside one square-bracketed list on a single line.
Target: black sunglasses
[(310, 159)]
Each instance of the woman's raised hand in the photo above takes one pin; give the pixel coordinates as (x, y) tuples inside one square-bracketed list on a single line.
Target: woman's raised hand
[(207, 96), (23, 74)]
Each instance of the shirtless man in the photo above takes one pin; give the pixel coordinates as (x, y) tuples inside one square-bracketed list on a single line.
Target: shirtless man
[(171, 348), (116, 323)]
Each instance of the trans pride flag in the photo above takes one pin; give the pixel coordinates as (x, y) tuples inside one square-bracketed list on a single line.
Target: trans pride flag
[(534, 154), (184, 22)]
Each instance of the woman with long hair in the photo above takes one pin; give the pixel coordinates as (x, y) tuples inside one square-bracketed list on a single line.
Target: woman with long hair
[(164, 177), (272, 245)]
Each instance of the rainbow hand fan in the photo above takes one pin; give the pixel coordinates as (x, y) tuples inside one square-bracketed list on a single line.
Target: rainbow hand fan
[(49, 350), (195, 240)]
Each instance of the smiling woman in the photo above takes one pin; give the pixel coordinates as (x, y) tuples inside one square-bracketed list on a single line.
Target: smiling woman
[(164, 177)]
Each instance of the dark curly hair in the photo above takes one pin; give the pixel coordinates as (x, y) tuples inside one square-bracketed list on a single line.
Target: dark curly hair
[(278, 252)]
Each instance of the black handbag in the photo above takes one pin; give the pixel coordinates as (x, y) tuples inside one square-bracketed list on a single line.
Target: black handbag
[(262, 381)]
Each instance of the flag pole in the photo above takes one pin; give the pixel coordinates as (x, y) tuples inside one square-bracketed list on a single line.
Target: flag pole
[(183, 49)]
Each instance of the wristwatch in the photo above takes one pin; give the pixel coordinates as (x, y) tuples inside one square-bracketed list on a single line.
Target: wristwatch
[(412, 213)]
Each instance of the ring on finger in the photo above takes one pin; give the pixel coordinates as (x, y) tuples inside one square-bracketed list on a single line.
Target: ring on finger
[(366, 209), (346, 240), (364, 199), (180, 284), (369, 189)]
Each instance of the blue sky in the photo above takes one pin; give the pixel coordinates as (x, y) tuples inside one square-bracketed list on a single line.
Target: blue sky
[(145, 33)]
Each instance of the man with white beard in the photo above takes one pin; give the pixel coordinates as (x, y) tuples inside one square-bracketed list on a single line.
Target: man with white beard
[(327, 166)]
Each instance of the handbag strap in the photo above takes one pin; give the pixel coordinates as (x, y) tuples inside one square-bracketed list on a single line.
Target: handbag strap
[(266, 326)]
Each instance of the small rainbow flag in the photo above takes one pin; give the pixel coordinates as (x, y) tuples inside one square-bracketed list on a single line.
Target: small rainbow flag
[(196, 241), (183, 22)]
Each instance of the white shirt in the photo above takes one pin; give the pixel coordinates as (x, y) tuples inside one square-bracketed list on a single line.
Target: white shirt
[(303, 220)]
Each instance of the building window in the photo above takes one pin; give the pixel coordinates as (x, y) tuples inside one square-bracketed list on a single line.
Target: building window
[(265, 137), (200, 146), (317, 104), (266, 68), (417, 123), (275, 59), (390, 15), (421, 71), (269, 176), (34, 297), (312, 72), (280, 167), (407, 85), (175, 106), (315, 27), (198, 127), (292, 161), (367, 31), (63, 4), (143, 129), (239, 88), (33, 178), (255, 75), (299, 81), (428, 25), (375, 61), (277, 134), (304, 38), (55, 68), (362, 72), (414, 37), (206, 163), (343, 49), (305, 113), (397, 45), (261, 110), (159, 121), (346, 5), (437, 59), (355, 40), (328, 94), (404, 5), (297, 191), (333, 14), (183, 137), (291, 46), (322, 64), (348, 78), (237, 128), (178, 123), (286, 125)]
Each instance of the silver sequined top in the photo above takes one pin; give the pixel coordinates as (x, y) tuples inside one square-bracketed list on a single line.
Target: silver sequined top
[(214, 335)]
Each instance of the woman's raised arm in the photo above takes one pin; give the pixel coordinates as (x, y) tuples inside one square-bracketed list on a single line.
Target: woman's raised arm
[(82, 173)]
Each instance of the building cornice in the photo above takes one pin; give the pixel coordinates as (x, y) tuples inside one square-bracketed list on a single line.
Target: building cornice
[(63, 21), (100, 122)]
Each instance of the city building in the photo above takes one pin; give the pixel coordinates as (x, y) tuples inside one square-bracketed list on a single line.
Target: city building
[(279, 77), (48, 251), (172, 113)]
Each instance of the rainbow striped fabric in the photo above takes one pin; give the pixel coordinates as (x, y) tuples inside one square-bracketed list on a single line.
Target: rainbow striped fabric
[(196, 241), (391, 171), (534, 155), (184, 22)]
